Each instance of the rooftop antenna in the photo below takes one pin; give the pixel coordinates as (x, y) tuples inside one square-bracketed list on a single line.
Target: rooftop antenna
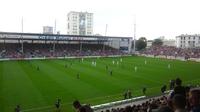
[(134, 33)]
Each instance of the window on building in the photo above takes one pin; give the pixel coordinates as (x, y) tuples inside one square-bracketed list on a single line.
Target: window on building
[(68, 26)]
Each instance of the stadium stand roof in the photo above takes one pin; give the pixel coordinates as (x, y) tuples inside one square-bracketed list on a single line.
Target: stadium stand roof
[(63, 35)]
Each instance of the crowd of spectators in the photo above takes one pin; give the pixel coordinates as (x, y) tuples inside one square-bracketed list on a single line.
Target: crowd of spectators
[(172, 51), (31, 50), (181, 99)]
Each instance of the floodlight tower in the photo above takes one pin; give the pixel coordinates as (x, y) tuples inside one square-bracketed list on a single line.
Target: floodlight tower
[(54, 43), (134, 33), (22, 23), (105, 37), (55, 27)]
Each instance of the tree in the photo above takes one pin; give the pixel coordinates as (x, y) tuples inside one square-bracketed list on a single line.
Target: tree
[(141, 43), (157, 42)]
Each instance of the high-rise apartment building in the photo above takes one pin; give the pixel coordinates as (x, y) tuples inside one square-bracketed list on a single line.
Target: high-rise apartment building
[(80, 23)]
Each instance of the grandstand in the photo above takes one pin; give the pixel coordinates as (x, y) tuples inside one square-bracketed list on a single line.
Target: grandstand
[(30, 45)]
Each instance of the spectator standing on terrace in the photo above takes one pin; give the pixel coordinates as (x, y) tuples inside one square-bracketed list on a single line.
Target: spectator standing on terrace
[(77, 105), (179, 103), (179, 89), (194, 100), (165, 109), (171, 84), (81, 108), (163, 89), (17, 108)]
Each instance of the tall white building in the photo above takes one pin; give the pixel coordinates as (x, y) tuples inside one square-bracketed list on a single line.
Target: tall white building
[(80, 23), (188, 41)]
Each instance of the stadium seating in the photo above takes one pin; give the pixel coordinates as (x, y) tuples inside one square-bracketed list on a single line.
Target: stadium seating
[(172, 51), (13, 50)]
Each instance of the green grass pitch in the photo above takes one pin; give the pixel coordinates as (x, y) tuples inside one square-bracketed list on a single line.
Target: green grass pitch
[(37, 90)]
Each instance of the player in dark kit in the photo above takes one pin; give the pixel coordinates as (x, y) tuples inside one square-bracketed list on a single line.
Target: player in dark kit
[(111, 72), (144, 90), (77, 75), (38, 68), (71, 64), (17, 109), (65, 65), (106, 67), (129, 94), (125, 95), (57, 104)]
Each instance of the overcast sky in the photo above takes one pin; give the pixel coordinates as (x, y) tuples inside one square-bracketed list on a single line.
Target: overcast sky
[(154, 18)]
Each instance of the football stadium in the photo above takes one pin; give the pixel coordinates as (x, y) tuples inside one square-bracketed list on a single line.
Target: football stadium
[(68, 73)]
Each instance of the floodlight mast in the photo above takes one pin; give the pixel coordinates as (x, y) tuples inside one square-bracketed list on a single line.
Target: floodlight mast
[(55, 27), (105, 36), (134, 34), (54, 43), (22, 26)]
